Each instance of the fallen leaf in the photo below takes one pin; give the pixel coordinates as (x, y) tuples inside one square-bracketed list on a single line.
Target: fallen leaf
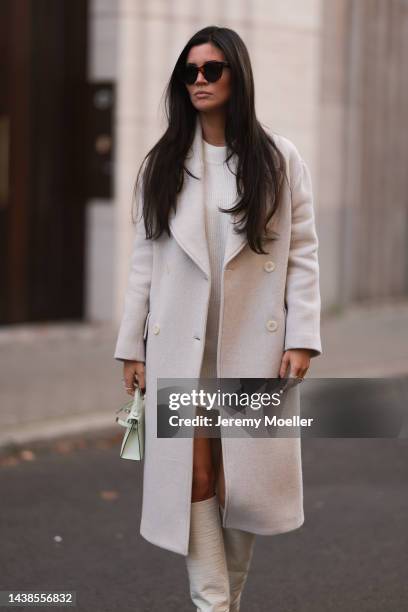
[(109, 495)]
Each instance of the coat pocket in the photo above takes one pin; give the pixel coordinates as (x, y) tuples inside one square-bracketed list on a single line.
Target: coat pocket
[(146, 326)]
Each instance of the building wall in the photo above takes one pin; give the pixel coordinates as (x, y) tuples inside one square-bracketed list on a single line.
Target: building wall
[(364, 151), (100, 228), (329, 75)]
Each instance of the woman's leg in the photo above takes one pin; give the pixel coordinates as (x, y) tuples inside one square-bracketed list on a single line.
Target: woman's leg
[(238, 544), (206, 563), (203, 470)]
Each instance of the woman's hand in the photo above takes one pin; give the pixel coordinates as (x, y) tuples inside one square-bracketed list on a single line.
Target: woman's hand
[(133, 376), (298, 360)]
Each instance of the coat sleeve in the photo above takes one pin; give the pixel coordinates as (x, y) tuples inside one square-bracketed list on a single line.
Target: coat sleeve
[(130, 341), (302, 293)]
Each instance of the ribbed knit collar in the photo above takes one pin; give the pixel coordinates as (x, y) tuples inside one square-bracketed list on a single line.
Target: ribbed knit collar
[(214, 154)]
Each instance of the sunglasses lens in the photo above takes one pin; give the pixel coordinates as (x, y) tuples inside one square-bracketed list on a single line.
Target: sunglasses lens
[(213, 71), (189, 74)]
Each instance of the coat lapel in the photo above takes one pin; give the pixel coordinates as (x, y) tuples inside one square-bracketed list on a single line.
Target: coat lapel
[(187, 224)]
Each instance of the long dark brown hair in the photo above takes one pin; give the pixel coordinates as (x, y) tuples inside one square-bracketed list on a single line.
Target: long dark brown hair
[(260, 164)]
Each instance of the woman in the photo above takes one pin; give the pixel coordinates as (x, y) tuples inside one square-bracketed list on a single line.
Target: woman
[(205, 298)]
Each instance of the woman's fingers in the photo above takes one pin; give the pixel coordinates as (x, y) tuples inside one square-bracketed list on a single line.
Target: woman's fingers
[(133, 376), (140, 376), (297, 361), (284, 364), (130, 382)]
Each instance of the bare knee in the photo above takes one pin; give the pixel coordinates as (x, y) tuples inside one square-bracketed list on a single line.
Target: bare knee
[(203, 484)]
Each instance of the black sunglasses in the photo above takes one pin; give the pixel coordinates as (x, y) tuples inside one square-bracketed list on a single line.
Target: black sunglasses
[(211, 70)]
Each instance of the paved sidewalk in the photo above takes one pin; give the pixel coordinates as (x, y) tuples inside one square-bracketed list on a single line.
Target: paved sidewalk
[(364, 341), (61, 378)]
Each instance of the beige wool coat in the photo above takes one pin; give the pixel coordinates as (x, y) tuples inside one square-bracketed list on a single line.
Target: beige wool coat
[(269, 303)]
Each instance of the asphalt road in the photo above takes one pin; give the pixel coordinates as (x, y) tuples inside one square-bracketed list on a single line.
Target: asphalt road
[(70, 521)]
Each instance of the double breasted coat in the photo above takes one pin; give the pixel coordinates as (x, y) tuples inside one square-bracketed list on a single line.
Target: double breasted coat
[(269, 303)]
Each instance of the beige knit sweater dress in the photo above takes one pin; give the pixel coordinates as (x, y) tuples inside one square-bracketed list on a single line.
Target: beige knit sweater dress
[(220, 190)]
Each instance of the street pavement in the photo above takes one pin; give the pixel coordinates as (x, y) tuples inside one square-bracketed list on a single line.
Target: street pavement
[(70, 517)]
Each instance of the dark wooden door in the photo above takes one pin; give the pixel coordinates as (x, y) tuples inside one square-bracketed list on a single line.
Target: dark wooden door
[(42, 164)]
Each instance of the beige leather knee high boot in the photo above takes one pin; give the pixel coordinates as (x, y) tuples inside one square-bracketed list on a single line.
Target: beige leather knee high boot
[(239, 547), (206, 563)]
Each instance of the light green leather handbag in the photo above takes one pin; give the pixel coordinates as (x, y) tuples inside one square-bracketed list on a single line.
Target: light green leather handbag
[(134, 438)]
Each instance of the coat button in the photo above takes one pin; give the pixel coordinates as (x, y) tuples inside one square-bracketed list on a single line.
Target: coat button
[(156, 328), (269, 266), (272, 325)]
